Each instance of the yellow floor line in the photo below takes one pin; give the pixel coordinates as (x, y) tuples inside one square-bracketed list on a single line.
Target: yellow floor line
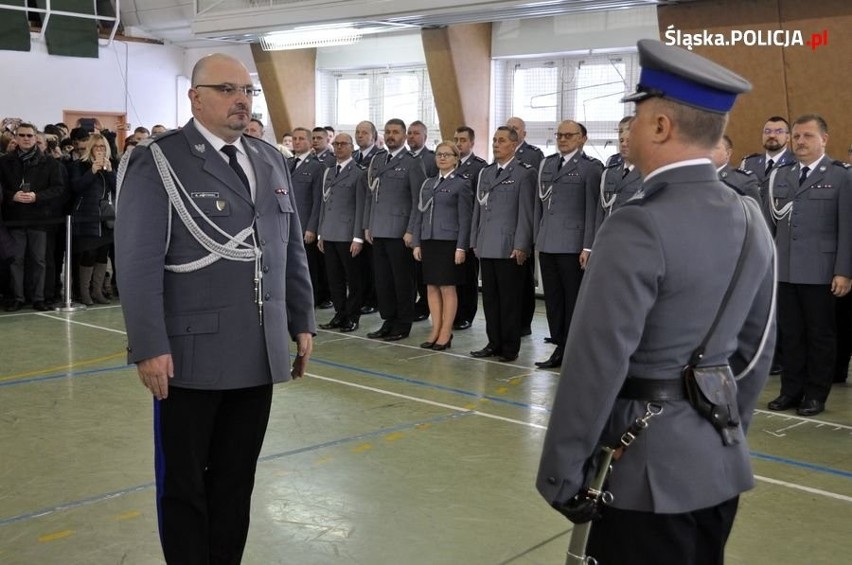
[(67, 366)]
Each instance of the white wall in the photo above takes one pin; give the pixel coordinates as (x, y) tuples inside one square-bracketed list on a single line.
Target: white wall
[(38, 86)]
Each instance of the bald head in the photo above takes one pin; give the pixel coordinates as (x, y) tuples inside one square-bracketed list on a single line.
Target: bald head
[(221, 96)]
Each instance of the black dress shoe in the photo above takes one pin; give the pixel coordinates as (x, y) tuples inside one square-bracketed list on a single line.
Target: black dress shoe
[(462, 325), (420, 317), (507, 358), (549, 339), (383, 331), (334, 323), (348, 326), (810, 407), (40, 306), (365, 310), (14, 306), (776, 370), (427, 344), (783, 402), (486, 351), (526, 331), (325, 305), (396, 336), (443, 346), (552, 363)]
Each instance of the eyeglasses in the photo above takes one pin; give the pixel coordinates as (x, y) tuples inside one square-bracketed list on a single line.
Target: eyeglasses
[(25, 135), (340, 143), (229, 89), (568, 135), (777, 131), (443, 155)]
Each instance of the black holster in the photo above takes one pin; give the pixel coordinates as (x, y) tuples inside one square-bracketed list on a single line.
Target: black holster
[(712, 391)]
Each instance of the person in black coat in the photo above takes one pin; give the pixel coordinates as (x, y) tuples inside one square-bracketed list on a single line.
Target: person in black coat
[(92, 182)]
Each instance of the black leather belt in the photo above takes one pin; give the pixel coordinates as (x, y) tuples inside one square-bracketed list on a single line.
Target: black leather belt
[(653, 390)]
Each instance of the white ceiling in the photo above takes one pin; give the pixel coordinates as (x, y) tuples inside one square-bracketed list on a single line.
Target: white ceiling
[(176, 21)]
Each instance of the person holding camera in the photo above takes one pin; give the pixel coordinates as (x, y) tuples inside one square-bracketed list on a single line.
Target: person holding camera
[(93, 185), (30, 182)]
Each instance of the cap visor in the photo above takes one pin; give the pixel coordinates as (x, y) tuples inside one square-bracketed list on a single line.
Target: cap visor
[(636, 97)]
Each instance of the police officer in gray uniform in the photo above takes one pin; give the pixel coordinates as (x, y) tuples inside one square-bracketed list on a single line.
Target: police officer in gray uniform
[(565, 210), (501, 235), (393, 182), (341, 235), (660, 268), (214, 285), (620, 180), (306, 172), (810, 205), (743, 181), (776, 134)]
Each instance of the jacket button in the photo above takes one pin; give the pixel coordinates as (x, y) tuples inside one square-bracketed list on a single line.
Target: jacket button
[(263, 242), (188, 329), (267, 296), (266, 268), (551, 480), (129, 349)]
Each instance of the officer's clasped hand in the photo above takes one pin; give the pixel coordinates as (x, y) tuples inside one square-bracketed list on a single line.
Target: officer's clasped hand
[(579, 509)]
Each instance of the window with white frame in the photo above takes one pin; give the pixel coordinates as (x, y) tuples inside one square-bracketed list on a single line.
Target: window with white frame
[(583, 88), (350, 96)]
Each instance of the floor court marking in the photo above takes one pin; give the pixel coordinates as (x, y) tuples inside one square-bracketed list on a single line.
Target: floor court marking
[(65, 367)]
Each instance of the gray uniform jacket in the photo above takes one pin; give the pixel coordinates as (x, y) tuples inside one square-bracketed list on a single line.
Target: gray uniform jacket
[(327, 158), (503, 211), (661, 267), (365, 159), (392, 190), (427, 157), (566, 203), (815, 240), (529, 154), (743, 181), (756, 163), (208, 319), (616, 189), (447, 210), (343, 204), (307, 187), (470, 170)]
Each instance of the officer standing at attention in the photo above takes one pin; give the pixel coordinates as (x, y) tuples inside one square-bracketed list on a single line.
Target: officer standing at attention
[(810, 205), (501, 235), (214, 285), (620, 180), (565, 210), (661, 270), (775, 136), (743, 181)]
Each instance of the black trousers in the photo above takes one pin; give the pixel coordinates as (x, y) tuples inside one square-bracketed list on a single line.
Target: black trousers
[(344, 272), (319, 278), (368, 282), (394, 275), (561, 276), (206, 447), (468, 292), (807, 316), (844, 338), (627, 537), (528, 292), (502, 281)]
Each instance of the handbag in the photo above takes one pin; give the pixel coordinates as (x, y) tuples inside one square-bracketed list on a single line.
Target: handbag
[(106, 209), (712, 391)]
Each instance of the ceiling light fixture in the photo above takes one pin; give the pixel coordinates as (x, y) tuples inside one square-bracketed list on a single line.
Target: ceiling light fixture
[(306, 37)]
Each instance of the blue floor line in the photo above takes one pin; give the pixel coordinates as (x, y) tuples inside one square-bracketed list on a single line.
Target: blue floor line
[(802, 464)]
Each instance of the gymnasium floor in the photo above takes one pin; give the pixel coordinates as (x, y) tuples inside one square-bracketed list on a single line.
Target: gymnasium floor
[(385, 454)]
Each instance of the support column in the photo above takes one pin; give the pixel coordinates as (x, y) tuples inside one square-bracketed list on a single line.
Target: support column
[(458, 58), (288, 79)]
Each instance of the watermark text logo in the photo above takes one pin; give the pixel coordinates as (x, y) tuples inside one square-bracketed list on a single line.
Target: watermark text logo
[(746, 37)]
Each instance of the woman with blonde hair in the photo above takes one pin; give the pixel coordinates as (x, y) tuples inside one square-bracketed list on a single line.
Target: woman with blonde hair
[(93, 185), (441, 239)]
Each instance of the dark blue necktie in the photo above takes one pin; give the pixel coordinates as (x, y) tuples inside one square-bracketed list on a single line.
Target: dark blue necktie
[(804, 176), (231, 152)]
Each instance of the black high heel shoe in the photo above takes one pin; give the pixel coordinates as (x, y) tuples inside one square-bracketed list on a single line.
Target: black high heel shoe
[(442, 346), (428, 344)]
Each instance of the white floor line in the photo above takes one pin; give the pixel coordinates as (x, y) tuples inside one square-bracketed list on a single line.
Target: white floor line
[(827, 494), (803, 419), (70, 321)]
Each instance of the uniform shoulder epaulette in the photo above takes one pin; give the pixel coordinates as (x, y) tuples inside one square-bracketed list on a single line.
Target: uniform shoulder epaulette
[(614, 161), (534, 148), (843, 164), (526, 165), (151, 139), (556, 155), (361, 166), (744, 171), (788, 164), (478, 159), (750, 155)]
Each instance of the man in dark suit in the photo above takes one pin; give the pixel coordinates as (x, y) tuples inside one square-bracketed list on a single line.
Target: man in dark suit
[(211, 296), (656, 280), (742, 180), (306, 172), (469, 167), (393, 181), (501, 235), (565, 211), (810, 205), (341, 235)]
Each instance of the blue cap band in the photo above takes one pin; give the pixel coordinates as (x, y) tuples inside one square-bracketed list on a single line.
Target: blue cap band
[(686, 91)]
